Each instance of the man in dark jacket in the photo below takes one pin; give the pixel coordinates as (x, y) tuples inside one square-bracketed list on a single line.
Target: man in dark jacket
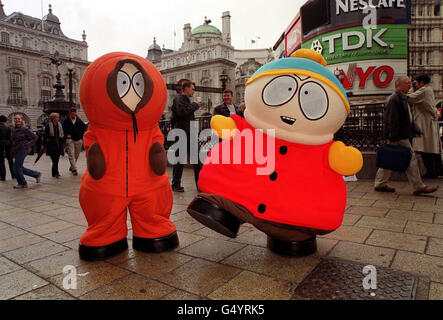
[(5, 149), (74, 128), (399, 130), (227, 107), (183, 113)]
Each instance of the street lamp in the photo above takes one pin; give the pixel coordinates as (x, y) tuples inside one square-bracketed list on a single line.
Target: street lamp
[(223, 78), (70, 65)]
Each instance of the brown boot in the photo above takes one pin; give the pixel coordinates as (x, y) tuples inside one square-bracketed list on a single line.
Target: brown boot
[(384, 189), (425, 189)]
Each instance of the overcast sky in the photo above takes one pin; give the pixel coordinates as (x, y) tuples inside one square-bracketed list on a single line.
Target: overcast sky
[(131, 25)]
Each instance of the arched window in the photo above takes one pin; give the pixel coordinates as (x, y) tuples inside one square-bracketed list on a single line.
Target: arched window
[(26, 43)]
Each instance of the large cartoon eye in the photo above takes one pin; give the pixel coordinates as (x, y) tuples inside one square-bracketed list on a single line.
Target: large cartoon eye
[(313, 100), (139, 84), (279, 91), (123, 83)]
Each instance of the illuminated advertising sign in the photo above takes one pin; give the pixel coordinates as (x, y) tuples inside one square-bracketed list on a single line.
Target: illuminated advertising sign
[(370, 77), (385, 41), (293, 37)]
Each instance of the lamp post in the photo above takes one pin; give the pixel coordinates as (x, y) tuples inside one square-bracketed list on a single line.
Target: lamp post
[(70, 66), (223, 78)]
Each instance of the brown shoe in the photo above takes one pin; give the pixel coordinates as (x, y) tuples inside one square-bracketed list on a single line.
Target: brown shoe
[(426, 189), (384, 189)]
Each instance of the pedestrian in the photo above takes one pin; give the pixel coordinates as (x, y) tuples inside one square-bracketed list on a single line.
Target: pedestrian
[(426, 117), (54, 141), (227, 107), (5, 149), (23, 139), (183, 113), (399, 130), (74, 129)]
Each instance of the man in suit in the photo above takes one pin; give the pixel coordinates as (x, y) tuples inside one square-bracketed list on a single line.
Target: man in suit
[(399, 130), (183, 112), (227, 107)]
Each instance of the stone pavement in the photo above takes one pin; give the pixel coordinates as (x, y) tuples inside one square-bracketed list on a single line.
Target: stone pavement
[(40, 229)]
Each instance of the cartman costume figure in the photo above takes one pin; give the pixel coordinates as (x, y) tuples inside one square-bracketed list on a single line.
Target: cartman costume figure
[(305, 194), (123, 97)]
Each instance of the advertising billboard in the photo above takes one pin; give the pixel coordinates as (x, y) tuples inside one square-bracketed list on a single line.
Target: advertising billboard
[(385, 41), (334, 14), (370, 77), (293, 36)]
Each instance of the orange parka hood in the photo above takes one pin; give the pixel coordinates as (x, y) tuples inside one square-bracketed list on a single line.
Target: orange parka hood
[(103, 85)]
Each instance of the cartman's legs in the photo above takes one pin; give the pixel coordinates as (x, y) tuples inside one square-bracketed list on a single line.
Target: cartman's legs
[(152, 229), (282, 238), (107, 230)]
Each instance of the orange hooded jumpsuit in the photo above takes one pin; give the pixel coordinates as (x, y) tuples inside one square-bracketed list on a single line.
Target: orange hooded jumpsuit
[(123, 96)]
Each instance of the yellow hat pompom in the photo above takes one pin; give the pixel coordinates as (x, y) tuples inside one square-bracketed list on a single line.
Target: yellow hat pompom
[(311, 55)]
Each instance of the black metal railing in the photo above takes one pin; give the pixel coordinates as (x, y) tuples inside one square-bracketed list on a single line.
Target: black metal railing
[(363, 128)]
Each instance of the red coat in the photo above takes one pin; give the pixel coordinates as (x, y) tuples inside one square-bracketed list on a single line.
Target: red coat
[(302, 191)]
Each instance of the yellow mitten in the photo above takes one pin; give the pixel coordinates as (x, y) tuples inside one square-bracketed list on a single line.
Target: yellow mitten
[(224, 127), (345, 160)]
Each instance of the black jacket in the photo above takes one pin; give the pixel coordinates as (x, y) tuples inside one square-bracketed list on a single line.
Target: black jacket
[(75, 130), (54, 144), (224, 110), (5, 135), (183, 112), (398, 124)]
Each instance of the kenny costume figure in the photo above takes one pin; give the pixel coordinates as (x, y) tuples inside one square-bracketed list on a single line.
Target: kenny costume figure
[(123, 96), (305, 194)]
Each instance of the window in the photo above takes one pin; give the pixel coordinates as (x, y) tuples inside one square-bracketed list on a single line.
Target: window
[(14, 62), (428, 35), (412, 35), (420, 10), (62, 50), (45, 46), (428, 58), (76, 53), (437, 10), (45, 95), (5, 37), (16, 88), (205, 73), (420, 35), (26, 43), (45, 82), (430, 11), (420, 58)]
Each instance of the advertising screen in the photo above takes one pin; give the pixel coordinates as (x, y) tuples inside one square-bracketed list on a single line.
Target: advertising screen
[(385, 41)]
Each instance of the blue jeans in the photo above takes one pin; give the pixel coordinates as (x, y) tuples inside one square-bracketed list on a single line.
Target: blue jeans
[(20, 171)]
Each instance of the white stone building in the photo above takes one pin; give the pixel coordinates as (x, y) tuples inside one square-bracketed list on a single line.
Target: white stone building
[(26, 73), (205, 54), (426, 42)]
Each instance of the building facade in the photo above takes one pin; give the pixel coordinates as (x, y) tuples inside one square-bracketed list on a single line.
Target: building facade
[(426, 42), (26, 73), (205, 57)]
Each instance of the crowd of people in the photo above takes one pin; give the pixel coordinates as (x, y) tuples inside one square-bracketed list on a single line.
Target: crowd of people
[(17, 141)]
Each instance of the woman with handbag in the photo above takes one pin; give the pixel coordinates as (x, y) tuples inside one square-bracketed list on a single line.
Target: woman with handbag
[(54, 141)]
